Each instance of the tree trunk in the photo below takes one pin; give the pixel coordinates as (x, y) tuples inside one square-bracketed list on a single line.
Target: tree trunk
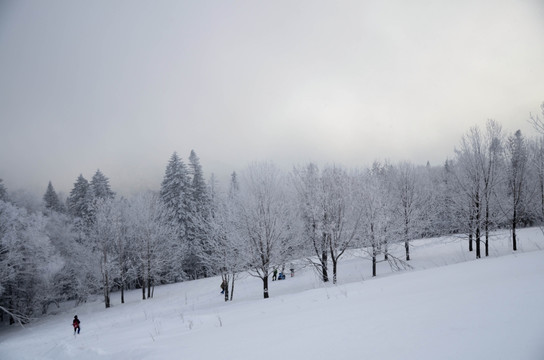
[(148, 271), (478, 236), (385, 246), (232, 288), (143, 289), (122, 284), (324, 262), (486, 228), (106, 280), (142, 281), (542, 199), (106, 291), (470, 233), (406, 240), (514, 241), (486, 220), (265, 286), (478, 252), (334, 267), (373, 260)]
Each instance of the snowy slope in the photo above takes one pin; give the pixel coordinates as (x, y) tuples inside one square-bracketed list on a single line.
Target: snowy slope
[(487, 309)]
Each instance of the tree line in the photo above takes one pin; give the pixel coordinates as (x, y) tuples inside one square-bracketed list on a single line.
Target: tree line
[(96, 242)]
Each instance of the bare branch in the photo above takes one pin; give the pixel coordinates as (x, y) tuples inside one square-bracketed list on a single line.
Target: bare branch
[(537, 122)]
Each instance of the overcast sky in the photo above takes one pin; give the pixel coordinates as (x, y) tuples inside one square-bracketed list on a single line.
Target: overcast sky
[(120, 85)]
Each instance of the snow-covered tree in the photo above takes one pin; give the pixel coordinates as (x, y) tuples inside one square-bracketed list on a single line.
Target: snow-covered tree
[(490, 161), (536, 150), (376, 202), (78, 276), (343, 212), (176, 195), (79, 201), (100, 186), (537, 121), (468, 176), (197, 225), (517, 171), (156, 249), (409, 201), (104, 232), (28, 264), (51, 199), (199, 189), (122, 246), (3, 192), (226, 255), (265, 219), (308, 184)]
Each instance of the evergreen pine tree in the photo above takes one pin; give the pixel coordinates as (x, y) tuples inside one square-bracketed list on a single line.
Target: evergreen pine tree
[(78, 201), (51, 199), (175, 194), (100, 186), (198, 185), (3, 192), (198, 224), (234, 185)]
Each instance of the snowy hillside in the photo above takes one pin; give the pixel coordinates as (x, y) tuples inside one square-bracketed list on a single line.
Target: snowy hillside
[(491, 308)]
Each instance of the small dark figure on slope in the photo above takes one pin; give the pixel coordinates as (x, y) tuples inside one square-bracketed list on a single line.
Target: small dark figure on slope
[(75, 324)]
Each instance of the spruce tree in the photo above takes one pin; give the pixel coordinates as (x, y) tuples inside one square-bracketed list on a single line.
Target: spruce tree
[(234, 185), (51, 199), (516, 173), (3, 192), (198, 184), (175, 193), (100, 186), (198, 221), (78, 201)]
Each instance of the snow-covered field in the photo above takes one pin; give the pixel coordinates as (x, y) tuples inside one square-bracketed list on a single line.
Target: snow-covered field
[(491, 308)]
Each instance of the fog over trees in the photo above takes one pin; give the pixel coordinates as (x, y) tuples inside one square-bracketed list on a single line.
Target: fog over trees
[(96, 241)]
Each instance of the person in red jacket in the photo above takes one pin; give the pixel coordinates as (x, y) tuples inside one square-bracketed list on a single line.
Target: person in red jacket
[(75, 323)]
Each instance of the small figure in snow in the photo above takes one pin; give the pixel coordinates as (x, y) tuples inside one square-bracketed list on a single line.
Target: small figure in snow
[(224, 286), (75, 324), (275, 274), (281, 276), (292, 271)]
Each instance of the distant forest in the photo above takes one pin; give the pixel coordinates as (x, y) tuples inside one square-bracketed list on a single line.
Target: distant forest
[(96, 242)]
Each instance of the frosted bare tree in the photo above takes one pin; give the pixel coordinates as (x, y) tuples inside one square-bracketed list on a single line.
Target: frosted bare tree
[(517, 172), (490, 160), (28, 264), (265, 218), (309, 186), (376, 213), (343, 212), (536, 150), (103, 234), (468, 176), (410, 201), (227, 246), (537, 121), (155, 247)]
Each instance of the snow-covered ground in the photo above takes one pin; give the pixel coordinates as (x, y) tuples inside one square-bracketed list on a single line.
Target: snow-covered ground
[(491, 308)]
